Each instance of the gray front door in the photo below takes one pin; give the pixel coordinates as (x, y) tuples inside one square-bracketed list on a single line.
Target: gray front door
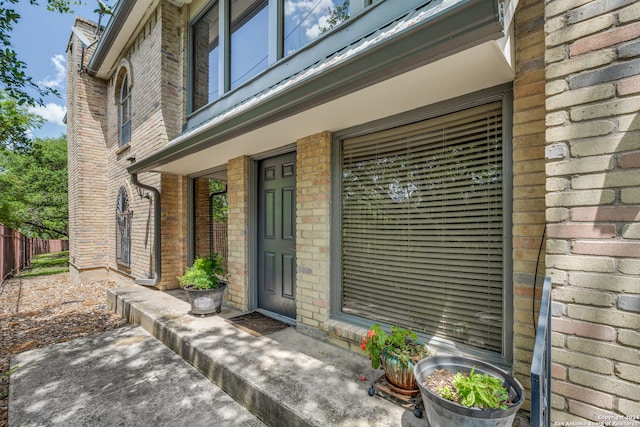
[(277, 235)]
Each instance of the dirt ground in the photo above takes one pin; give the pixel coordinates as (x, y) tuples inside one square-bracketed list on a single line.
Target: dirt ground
[(37, 312)]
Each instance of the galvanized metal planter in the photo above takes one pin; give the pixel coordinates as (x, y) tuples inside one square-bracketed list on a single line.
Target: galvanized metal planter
[(445, 413), (206, 301)]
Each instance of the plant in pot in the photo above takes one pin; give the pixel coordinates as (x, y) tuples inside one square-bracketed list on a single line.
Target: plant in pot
[(397, 353), (461, 391), (205, 282)]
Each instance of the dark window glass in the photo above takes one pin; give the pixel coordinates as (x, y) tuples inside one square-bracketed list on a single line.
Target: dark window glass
[(125, 112), (206, 59)]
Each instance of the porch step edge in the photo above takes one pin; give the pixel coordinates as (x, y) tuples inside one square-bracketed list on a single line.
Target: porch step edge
[(286, 378)]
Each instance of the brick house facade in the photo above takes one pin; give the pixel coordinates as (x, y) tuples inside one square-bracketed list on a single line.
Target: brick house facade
[(565, 73)]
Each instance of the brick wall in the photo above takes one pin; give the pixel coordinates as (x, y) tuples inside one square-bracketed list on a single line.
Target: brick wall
[(154, 64), (313, 195), (528, 182), (593, 205), (86, 134)]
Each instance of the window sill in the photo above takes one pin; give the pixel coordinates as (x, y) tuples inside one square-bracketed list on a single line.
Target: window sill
[(123, 268), (124, 148), (346, 331)]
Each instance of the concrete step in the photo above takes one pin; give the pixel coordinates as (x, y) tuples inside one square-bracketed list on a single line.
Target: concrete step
[(285, 378)]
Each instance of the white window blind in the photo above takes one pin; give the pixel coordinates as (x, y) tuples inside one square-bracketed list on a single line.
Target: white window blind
[(422, 239)]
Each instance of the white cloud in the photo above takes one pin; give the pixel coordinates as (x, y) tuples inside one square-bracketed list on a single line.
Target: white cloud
[(51, 112), (57, 80)]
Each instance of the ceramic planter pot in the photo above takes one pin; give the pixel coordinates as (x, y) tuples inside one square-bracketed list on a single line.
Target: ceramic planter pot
[(445, 413), (398, 375), (206, 301)]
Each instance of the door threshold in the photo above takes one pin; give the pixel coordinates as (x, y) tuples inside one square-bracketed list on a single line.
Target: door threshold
[(284, 319)]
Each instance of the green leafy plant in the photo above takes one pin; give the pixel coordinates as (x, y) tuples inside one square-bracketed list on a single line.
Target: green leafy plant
[(477, 391), (205, 273), (4, 389), (402, 343)]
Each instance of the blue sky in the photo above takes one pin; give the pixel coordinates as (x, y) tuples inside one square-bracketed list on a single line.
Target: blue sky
[(40, 39)]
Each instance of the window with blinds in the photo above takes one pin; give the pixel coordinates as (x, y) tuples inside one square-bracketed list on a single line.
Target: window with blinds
[(422, 226)]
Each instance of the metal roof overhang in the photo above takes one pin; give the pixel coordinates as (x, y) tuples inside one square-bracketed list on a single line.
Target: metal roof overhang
[(127, 17), (458, 51)]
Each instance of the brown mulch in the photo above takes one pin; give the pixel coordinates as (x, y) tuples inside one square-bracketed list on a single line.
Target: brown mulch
[(37, 312), (441, 379)]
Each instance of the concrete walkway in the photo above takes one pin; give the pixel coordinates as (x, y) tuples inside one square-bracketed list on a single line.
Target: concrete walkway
[(124, 377), (283, 379)]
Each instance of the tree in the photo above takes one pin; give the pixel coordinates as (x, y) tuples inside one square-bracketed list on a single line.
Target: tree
[(33, 189), (15, 122), (336, 16), (13, 77), (16, 86), (219, 200)]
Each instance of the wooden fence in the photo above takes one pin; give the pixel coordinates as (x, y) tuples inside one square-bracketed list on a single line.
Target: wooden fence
[(17, 250)]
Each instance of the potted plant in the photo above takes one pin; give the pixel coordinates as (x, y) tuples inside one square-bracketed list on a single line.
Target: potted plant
[(205, 283), (397, 354), (460, 391)]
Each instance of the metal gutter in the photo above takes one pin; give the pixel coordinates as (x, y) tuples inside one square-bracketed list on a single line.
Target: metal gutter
[(157, 250), (110, 34), (384, 54)]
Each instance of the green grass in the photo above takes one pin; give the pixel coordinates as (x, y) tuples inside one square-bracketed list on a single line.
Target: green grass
[(53, 255), (46, 264)]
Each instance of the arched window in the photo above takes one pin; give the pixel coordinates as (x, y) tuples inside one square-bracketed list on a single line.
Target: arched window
[(123, 229), (125, 111)]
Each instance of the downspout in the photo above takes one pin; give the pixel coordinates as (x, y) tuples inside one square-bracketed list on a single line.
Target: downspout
[(157, 253)]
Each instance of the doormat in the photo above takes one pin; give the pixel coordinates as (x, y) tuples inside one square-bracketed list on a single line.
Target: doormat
[(257, 324)]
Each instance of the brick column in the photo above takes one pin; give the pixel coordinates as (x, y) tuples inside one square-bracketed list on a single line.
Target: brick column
[(593, 206), (173, 217), (238, 222), (89, 223), (528, 182), (313, 194)]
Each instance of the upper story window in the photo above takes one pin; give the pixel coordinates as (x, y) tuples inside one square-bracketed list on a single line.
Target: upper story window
[(125, 111), (249, 44), (224, 60), (206, 58), (305, 20)]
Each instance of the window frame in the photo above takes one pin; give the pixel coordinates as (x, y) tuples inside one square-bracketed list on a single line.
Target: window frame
[(220, 45), (500, 93)]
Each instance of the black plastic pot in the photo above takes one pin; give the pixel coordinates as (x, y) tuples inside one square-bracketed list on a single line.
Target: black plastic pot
[(206, 301), (445, 413)]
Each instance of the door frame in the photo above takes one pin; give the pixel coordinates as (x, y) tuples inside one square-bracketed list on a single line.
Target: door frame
[(252, 228)]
